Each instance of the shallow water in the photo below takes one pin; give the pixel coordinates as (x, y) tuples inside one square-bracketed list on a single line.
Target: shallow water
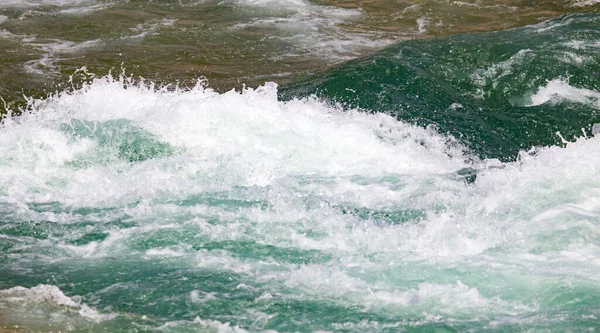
[(231, 42), (446, 184)]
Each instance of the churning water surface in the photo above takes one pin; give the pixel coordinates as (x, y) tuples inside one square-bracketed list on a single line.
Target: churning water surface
[(437, 185)]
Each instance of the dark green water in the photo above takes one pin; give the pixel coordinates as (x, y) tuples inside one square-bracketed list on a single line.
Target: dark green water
[(479, 87), (397, 192)]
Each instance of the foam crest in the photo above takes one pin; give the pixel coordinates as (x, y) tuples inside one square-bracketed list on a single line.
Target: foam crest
[(246, 138), (560, 90), (17, 306), (431, 298), (201, 324), (102, 146), (299, 201)]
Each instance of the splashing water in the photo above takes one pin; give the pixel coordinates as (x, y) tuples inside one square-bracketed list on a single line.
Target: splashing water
[(129, 207)]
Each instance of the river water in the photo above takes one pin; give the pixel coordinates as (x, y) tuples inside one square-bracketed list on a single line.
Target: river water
[(296, 166), (230, 42)]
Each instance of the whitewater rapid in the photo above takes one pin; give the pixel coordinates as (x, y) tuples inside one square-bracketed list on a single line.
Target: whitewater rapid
[(297, 201)]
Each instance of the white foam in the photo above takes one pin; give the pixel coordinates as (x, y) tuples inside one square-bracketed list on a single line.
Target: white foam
[(433, 298), (17, 299), (221, 135), (422, 23), (9, 35), (294, 6), (251, 139), (314, 179), (2, 18), (51, 52), (584, 3), (582, 45), (560, 90), (68, 7), (311, 28), (86, 9), (60, 3), (150, 28), (168, 252), (202, 325)]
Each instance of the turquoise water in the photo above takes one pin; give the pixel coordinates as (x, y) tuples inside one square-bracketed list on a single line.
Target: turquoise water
[(395, 192)]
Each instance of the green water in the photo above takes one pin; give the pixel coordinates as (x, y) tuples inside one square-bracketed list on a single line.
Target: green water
[(478, 88), (398, 191)]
